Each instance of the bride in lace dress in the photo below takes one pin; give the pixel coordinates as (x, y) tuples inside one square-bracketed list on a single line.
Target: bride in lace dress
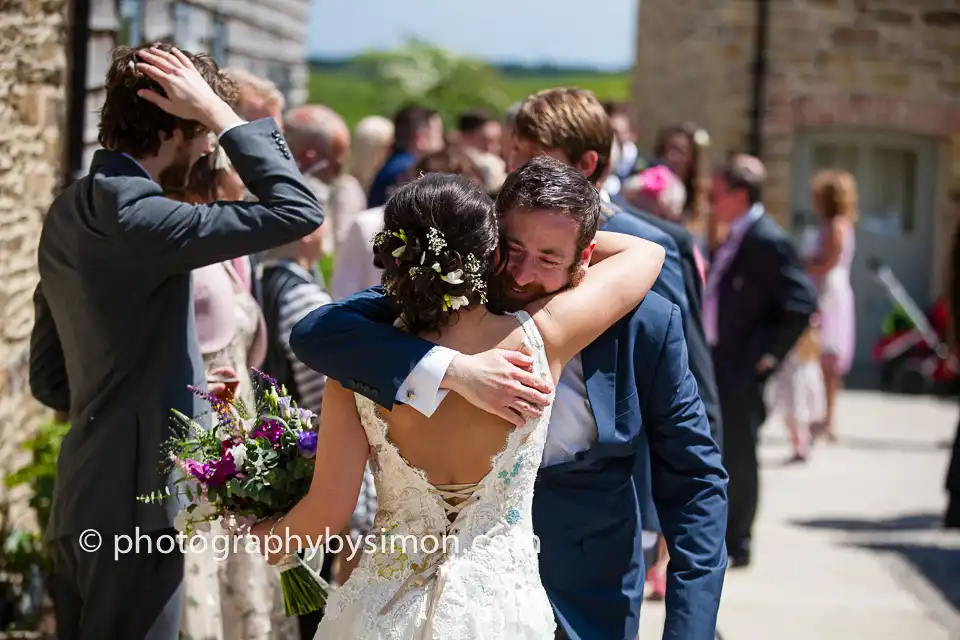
[(456, 557)]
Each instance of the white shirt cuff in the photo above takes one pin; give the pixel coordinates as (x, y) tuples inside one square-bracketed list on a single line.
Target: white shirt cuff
[(228, 127), (421, 390)]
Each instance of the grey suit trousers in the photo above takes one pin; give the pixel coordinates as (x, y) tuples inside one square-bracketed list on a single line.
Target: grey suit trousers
[(136, 596)]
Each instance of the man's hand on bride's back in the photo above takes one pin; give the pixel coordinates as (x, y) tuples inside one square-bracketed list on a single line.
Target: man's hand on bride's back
[(500, 382)]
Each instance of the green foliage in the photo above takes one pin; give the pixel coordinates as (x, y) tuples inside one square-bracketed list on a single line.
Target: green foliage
[(40, 473), (381, 82), (22, 553)]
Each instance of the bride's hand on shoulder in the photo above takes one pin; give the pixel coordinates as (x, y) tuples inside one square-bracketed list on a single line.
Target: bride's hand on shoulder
[(501, 382)]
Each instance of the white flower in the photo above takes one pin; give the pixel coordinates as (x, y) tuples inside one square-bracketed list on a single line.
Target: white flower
[(180, 522), (458, 301), (396, 253), (436, 267), (238, 453), (423, 256), (454, 277), (701, 138)]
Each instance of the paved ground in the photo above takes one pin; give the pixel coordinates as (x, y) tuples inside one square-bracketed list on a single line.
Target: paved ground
[(848, 546)]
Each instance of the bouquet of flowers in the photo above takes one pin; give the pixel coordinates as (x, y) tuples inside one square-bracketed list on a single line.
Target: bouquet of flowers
[(251, 465)]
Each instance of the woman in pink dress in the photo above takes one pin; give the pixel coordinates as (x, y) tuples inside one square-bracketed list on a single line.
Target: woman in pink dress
[(835, 202)]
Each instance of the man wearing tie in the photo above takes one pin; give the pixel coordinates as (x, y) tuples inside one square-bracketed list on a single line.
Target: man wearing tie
[(757, 302)]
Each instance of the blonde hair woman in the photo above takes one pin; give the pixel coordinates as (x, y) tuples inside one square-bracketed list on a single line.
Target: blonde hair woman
[(372, 141), (835, 203)]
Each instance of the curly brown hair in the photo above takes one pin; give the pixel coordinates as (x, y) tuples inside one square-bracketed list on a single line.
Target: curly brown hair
[(130, 124)]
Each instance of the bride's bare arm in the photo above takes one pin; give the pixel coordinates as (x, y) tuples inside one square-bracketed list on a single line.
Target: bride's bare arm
[(619, 278), (342, 450)]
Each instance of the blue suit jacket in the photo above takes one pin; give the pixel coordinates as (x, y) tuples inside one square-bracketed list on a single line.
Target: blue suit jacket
[(585, 511)]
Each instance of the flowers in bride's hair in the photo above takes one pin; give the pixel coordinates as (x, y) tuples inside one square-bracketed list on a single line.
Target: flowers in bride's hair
[(452, 303), (435, 240), (381, 238), (454, 277), (471, 264)]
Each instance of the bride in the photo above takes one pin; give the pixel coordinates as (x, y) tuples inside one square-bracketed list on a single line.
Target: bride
[(455, 556)]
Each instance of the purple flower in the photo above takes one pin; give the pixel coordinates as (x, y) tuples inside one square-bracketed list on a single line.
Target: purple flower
[(284, 404), (304, 415), (307, 443), (269, 429), (260, 374), (203, 472)]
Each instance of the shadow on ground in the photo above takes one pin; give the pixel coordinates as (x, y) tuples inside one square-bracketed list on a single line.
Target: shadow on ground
[(939, 566), (916, 522)]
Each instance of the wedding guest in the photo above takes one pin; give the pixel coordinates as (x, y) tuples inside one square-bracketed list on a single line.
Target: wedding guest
[(237, 596), (320, 143), (480, 136), (113, 341), (417, 131), (372, 141), (259, 98), (630, 158), (951, 516), (657, 196), (796, 392), (835, 202), (757, 302), (508, 130)]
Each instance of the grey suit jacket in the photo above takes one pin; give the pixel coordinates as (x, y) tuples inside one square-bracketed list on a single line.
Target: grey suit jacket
[(114, 341)]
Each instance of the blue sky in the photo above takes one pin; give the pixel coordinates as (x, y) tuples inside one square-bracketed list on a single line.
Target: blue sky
[(598, 33)]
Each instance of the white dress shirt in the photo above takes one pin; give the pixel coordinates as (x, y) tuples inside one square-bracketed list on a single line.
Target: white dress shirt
[(572, 427)]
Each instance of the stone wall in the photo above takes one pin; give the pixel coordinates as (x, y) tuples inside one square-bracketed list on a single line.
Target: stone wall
[(32, 67), (886, 65)]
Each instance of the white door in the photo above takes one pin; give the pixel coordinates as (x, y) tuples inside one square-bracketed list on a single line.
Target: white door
[(896, 180)]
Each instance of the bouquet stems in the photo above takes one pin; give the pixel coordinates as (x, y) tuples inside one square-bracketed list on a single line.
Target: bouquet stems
[(304, 591)]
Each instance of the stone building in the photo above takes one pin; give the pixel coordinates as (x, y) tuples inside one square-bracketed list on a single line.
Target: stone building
[(871, 86), (53, 58)]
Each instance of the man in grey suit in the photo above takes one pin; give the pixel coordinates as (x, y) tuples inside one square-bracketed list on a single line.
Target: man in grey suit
[(114, 342)]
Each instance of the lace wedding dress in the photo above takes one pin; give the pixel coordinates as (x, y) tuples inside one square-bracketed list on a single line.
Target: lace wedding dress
[(451, 562)]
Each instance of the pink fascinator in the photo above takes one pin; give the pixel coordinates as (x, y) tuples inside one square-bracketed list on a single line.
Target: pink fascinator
[(655, 180)]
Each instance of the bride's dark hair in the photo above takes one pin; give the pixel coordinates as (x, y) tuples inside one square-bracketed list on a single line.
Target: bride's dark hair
[(436, 248)]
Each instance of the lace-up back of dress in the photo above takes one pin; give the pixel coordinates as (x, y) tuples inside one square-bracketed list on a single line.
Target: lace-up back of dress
[(408, 502)]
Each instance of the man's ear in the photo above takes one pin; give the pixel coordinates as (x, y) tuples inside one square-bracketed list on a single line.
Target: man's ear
[(587, 254), (587, 164)]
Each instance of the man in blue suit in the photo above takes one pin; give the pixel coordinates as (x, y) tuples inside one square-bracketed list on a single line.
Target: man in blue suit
[(631, 388)]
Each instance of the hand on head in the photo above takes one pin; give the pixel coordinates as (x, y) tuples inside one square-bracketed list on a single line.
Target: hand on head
[(188, 95)]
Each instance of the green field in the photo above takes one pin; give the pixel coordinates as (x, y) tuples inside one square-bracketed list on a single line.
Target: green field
[(354, 97)]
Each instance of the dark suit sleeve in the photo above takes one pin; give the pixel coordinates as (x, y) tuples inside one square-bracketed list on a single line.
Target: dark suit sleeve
[(181, 237), (790, 286), (354, 342), (689, 490), (669, 283), (48, 372)]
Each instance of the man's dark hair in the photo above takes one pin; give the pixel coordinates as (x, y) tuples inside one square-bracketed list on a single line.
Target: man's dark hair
[(739, 175), (545, 184), (130, 124), (408, 122), (471, 121)]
